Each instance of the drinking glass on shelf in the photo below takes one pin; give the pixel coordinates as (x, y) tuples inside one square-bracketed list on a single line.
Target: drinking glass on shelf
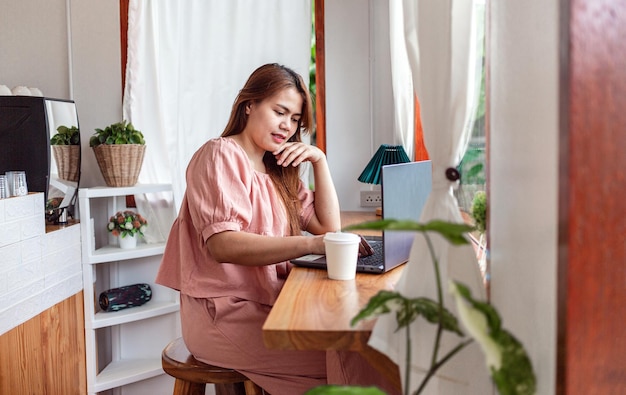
[(9, 176), (20, 188), (4, 187)]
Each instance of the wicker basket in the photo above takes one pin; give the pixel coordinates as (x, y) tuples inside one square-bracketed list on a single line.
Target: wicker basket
[(67, 158), (120, 163)]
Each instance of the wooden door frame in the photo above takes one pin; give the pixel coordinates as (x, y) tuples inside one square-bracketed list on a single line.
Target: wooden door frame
[(320, 77), (123, 39), (591, 341)]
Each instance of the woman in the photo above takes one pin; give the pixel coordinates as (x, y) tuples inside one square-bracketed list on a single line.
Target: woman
[(240, 221)]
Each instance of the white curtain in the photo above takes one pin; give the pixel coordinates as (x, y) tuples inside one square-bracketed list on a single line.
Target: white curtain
[(187, 61), (402, 84), (442, 59)]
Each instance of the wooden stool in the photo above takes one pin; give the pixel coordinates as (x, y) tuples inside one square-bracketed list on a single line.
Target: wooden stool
[(192, 376)]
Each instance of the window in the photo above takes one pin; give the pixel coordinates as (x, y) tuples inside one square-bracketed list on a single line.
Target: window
[(473, 165)]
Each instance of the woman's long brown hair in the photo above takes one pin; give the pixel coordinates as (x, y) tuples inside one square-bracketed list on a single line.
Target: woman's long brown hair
[(265, 82)]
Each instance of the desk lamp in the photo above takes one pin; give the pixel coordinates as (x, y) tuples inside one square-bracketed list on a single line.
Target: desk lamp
[(385, 155)]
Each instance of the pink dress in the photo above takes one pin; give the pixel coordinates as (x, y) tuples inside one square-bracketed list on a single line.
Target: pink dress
[(224, 306)]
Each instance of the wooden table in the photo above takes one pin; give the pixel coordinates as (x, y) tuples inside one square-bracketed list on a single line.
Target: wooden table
[(313, 312)]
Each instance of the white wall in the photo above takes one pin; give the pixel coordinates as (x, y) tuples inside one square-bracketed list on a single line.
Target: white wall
[(359, 102), (96, 75), (523, 172), (34, 46)]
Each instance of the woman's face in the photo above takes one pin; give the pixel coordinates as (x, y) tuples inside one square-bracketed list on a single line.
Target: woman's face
[(274, 121)]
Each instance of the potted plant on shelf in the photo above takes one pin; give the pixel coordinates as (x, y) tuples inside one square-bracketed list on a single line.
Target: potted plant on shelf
[(119, 149), (506, 359), (66, 149), (127, 225)]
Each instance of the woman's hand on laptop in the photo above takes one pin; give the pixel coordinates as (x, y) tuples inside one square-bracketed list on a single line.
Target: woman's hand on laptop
[(365, 249)]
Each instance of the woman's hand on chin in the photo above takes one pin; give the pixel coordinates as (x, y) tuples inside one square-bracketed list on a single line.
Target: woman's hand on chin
[(295, 153)]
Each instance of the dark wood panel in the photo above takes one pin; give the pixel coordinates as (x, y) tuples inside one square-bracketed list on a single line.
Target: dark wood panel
[(320, 76), (124, 39), (592, 250)]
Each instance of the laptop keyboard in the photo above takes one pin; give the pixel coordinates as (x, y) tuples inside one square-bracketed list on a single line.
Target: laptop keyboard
[(376, 259)]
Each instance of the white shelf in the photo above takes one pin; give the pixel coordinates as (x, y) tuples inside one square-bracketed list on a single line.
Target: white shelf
[(98, 192), (111, 253), (126, 371), (103, 319), (118, 336)]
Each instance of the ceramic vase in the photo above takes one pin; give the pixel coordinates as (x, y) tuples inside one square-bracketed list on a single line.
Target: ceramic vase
[(128, 242)]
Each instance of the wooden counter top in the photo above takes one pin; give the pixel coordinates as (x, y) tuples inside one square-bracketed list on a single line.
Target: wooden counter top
[(314, 313)]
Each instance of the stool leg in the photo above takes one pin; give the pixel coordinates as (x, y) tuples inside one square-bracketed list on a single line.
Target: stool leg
[(182, 387), (230, 389), (253, 389)]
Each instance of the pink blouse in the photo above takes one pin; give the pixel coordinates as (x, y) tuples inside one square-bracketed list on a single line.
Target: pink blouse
[(224, 193)]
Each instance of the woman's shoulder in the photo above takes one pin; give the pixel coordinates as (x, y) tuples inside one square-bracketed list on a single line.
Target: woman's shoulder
[(221, 143), (221, 146), (220, 154)]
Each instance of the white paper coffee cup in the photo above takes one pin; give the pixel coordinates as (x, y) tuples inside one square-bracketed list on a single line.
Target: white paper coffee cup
[(342, 252)]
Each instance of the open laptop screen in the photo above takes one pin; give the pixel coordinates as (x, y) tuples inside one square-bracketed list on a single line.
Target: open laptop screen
[(405, 188)]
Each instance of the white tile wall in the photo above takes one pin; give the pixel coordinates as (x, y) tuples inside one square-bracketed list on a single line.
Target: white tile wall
[(37, 269)]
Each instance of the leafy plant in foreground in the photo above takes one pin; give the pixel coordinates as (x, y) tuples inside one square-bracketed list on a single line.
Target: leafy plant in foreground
[(508, 363)]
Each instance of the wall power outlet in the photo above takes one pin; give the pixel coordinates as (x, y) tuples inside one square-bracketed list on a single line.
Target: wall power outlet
[(371, 199)]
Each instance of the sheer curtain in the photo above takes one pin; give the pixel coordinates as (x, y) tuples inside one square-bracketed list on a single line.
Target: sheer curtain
[(441, 53), (402, 84), (187, 61)]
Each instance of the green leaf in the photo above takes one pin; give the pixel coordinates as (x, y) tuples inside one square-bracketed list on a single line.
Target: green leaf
[(493, 318), (513, 373), (429, 309), (118, 133), (343, 390), (66, 136), (407, 310), (453, 232), (377, 305)]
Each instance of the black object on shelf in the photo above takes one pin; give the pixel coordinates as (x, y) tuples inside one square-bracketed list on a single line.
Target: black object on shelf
[(125, 297)]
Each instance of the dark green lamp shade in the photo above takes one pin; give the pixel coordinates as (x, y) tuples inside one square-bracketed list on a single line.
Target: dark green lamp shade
[(386, 155)]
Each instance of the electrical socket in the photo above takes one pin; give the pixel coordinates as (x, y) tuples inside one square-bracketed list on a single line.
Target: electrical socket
[(371, 199)]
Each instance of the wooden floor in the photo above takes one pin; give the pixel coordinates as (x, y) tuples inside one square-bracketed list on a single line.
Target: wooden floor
[(46, 355)]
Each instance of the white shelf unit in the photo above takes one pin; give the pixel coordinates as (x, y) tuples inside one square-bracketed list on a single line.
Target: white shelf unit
[(122, 347)]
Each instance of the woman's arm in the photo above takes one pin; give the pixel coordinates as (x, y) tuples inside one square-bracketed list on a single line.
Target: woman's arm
[(326, 217), (256, 250)]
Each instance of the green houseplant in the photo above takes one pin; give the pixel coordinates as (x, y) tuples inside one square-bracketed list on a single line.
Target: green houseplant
[(66, 136), (478, 212), (119, 149), (66, 150), (507, 361), (117, 133)]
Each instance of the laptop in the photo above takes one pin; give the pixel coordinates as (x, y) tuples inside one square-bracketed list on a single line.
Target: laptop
[(404, 190)]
